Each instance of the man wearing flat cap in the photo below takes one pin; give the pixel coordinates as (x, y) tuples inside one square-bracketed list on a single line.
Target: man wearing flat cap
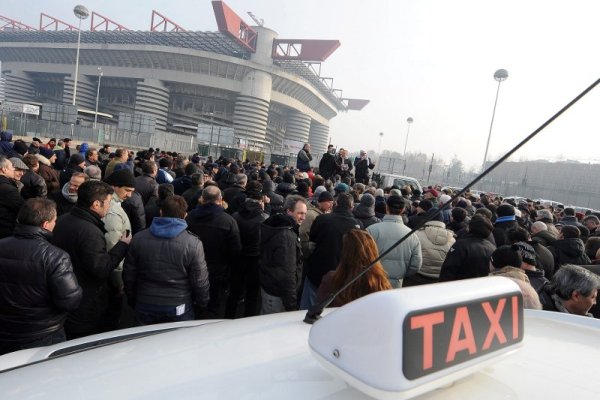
[(117, 224)]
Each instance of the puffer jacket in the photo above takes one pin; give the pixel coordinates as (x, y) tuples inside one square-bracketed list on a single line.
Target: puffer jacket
[(37, 285), (469, 257), (147, 187), (435, 241), (281, 259), (406, 258), (165, 265)]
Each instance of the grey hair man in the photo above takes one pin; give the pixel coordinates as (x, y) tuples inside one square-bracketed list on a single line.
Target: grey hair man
[(573, 290), (10, 199)]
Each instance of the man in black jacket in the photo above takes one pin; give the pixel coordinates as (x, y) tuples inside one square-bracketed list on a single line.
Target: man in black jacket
[(327, 165), (244, 274), (505, 221), (281, 257), (220, 237), (569, 248), (327, 233), (81, 234), (165, 272), (146, 184), (470, 256), (10, 199), (37, 283)]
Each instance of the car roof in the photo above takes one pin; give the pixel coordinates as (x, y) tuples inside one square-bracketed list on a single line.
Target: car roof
[(268, 357)]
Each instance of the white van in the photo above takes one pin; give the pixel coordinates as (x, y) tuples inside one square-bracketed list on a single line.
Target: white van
[(387, 180)]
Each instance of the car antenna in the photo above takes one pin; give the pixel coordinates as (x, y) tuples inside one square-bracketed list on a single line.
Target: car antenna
[(314, 312)]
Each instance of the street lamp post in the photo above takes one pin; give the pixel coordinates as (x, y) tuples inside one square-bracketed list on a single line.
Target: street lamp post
[(379, 151), (100, 74), (500, 75), (82, 13), (409, 120)]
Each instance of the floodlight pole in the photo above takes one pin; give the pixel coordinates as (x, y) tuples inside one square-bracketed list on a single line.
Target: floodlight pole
[(500, 75), (101, 73), (409, 120), (82, 13)]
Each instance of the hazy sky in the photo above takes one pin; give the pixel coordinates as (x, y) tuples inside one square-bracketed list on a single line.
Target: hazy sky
[(432, 60)]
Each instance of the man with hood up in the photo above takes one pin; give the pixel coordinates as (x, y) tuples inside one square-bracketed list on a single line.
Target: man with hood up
[(220, 236), (165, 271), (569, 248), (6, 145), (365, 211), (281, 257)]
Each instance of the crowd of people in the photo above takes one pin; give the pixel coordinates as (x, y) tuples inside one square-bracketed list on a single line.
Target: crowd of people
[(89, 236)]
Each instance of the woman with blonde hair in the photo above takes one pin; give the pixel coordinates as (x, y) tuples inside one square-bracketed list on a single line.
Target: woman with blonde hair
[(358, 251)]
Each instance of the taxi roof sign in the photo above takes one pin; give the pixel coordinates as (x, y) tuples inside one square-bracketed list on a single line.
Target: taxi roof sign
[(397, 344)]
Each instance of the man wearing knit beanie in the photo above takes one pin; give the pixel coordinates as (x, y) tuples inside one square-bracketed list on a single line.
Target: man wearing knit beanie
[(505, 221)]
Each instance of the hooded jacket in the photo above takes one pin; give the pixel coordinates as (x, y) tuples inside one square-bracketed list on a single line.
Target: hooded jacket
[(165, 265), (469, 257), (37, 285), (569, 251), (275, 205), (280, 269), (365, 214), (6, 145), (249, 218), (435, 241), (220, 237), (147, 187), (64, 200)]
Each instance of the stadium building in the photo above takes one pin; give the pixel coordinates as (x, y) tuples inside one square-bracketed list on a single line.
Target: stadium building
[(258, 91)]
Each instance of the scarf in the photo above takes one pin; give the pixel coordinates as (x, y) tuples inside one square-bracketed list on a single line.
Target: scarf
[(70, 197)]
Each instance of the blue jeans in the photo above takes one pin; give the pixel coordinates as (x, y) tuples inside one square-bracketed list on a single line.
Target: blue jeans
[(309, 295), (149, 314), (50, 339)]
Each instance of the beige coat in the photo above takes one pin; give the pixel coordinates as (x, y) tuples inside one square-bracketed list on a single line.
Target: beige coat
[(435, 240)]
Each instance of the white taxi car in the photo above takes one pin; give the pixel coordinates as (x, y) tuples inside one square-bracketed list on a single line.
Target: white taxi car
[(458, 340)]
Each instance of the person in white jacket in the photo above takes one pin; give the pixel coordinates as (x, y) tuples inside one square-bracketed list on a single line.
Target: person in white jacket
[(435, 241)]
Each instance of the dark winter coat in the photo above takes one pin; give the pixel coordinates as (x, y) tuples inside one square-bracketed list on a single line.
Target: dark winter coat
[(569, 251), (303, 160), (545, 238), (191, 196), (468, 258), (231, 197), (365, 215), (544, 258), (537, 279), (249, 218), (284, 189), (182, 184), (500, 231), (134, 208), (81, 234), (147, 187), (275, 205), (361, 169), (10, 204), (281, 259), (220, 236), (327, 166), (37, 285), (33, 185), (327, 233), (165, 265)]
